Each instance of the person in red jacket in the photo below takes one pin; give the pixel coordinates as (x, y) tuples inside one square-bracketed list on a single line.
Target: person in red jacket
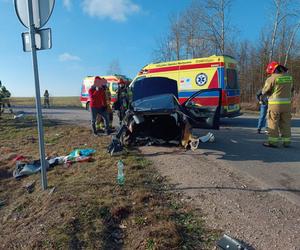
[(98, 104)]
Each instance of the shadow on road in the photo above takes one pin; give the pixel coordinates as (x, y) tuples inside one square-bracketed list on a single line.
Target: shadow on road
[(235, 141), (250, 122)]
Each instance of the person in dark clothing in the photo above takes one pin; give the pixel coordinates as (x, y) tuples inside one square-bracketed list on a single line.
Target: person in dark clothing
[(122, 101), (263, 108), (98, 104), (46, 99)]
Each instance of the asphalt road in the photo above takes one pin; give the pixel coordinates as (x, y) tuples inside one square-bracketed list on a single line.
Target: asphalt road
[(237, 146)]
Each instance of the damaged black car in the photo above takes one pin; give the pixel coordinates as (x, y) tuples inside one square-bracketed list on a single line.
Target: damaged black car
[(155, 116)]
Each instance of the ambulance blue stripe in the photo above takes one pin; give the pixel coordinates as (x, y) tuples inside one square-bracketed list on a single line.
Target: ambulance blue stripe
[(84, 95), (183, 94)]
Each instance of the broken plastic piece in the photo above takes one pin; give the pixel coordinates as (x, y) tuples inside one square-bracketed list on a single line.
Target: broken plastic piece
[(115, 147), (207, 138), (194, 144), (228, 243), (29, 187)]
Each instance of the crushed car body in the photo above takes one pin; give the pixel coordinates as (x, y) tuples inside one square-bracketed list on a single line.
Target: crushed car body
[(155, 117)]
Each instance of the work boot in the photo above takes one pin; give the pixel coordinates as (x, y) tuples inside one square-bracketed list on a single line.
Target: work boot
[(269, 145), (259, 131)]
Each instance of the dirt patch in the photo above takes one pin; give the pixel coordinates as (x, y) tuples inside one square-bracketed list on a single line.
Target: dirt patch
[(233, 203)]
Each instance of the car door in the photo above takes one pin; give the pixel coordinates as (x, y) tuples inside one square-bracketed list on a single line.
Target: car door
[(203, 108)]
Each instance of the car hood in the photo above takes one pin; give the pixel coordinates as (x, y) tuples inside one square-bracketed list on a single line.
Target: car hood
[(151, 86)]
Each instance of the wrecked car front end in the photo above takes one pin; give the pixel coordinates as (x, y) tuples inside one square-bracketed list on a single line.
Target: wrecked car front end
[(155, 116)]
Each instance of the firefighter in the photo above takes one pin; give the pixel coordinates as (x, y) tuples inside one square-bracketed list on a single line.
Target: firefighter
[(278, 87), (4, 99), (122, 101)]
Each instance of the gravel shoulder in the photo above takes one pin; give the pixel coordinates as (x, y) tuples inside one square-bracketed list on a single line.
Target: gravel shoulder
[(230, 200)]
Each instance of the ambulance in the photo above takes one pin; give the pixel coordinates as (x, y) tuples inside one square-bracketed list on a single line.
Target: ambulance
[(202, 73), (113, 82)]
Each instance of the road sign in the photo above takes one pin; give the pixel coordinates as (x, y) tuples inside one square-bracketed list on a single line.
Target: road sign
[(41, 10), (43, 40), (34, 14)]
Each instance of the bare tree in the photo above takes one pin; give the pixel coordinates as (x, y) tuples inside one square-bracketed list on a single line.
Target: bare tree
[(164, 50), (217, 27), (282, 13), (291, 41), (176, 36), (114, 68)]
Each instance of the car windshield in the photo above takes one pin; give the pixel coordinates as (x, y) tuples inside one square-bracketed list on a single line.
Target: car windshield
[(166, 102)]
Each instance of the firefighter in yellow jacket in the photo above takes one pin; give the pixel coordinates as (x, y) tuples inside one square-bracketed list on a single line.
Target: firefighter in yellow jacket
[(278, 87)]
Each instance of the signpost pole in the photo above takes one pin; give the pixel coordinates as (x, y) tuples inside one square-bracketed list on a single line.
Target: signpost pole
[(37, 97)]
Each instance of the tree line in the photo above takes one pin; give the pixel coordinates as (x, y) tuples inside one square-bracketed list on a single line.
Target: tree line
[(204, 28)]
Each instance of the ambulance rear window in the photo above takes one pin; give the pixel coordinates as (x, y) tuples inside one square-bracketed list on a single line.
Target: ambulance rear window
[(232, 82)]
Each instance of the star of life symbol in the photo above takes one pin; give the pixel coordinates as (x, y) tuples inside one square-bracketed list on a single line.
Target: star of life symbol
[(201, 79)]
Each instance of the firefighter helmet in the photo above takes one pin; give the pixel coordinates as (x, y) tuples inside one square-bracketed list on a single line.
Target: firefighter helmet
[(271, 67)]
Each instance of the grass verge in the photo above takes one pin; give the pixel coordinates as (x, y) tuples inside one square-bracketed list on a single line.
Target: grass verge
[(87, 209), (57, 101)]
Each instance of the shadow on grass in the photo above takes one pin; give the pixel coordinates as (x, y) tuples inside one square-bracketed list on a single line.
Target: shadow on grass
[(27, 122)]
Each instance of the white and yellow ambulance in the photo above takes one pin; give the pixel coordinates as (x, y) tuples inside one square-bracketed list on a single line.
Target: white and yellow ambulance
[(202, 73)]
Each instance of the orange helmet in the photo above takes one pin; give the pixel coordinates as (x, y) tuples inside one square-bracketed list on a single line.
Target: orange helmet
[(271, 67)]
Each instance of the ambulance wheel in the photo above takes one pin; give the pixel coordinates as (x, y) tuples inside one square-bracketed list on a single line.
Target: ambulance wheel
[(87, 106)]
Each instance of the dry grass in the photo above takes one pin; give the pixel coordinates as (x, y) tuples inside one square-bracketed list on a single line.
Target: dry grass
[(87, 209), (59, 101)]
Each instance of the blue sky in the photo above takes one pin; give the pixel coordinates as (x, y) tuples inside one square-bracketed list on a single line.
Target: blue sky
[(88, 35)]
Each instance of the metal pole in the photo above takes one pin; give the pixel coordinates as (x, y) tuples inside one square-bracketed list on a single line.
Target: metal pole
[(37, 98)]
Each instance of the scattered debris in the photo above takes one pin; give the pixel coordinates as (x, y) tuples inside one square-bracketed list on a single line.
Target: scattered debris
[(25, 169), (29, 187), (18, 115), (2, 203), (79, 155), (229, 243), (208, 138), (52, 190)]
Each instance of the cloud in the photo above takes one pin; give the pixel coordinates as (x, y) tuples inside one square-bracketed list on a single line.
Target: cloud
[(117, 10), (68, 57), (67, 4)]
